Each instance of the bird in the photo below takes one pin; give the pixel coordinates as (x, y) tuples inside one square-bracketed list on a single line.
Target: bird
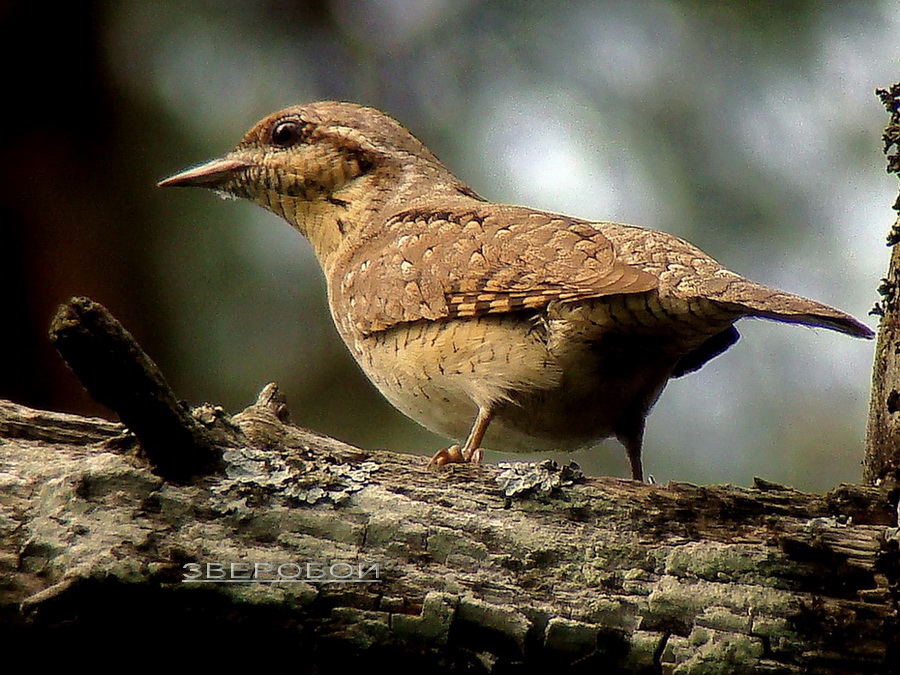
[(495, 325)]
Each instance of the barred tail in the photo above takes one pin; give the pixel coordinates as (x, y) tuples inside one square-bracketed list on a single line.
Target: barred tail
[(756, 300)]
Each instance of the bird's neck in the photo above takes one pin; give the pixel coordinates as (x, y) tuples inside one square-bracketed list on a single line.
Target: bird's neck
[(334, 222)]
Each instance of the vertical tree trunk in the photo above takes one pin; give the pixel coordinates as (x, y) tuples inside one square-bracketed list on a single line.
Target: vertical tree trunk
[(883, 433)]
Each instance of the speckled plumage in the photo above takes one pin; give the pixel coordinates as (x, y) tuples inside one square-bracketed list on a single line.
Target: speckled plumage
[(505, 326)]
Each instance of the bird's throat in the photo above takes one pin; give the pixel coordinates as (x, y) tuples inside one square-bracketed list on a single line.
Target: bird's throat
[(329, 221)]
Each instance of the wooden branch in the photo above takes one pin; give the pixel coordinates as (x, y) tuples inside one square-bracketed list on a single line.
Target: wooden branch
[(882, 464), (605, 575), (117, 373)]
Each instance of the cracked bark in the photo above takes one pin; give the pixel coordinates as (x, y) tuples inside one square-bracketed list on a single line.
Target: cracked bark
[(883, 433), (607, 574)]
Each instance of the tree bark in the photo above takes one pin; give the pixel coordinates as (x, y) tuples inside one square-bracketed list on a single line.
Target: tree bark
[(599, 575), (882, 464)]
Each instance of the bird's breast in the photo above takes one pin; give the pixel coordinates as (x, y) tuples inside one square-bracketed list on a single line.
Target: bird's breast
[(561, 380)]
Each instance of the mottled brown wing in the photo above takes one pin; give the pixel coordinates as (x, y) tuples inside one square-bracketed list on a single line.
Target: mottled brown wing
[(481, 259)]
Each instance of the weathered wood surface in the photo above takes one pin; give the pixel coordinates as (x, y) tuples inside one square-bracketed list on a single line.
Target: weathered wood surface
[(883, 432), (604, 575), (119, 374)]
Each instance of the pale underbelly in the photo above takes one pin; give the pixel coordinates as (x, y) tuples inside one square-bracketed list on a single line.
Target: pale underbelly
[(439, 376)]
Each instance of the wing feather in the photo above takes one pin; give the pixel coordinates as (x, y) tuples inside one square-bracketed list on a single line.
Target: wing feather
[(477, 259)]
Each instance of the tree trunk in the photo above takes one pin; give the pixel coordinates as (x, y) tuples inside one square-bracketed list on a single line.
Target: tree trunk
[(469, 569), (883, 432)]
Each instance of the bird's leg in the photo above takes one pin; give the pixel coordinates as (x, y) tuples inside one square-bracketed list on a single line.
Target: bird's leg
[(633, 440), (471, 450)]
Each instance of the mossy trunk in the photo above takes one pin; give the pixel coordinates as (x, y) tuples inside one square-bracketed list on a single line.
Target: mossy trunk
[(599, 574)]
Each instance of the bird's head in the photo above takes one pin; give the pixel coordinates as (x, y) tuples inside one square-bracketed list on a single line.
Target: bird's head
[(308, 163)]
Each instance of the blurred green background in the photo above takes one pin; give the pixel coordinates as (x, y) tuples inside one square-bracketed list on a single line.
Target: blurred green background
[(749, 128)]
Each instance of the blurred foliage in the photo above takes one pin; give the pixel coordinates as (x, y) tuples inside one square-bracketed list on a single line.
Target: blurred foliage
[(748, 128)]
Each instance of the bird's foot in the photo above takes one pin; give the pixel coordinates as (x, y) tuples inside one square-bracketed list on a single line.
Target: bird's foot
[(456, 455)]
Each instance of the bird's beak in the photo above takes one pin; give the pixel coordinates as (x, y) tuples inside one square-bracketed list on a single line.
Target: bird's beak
[(213, 174)]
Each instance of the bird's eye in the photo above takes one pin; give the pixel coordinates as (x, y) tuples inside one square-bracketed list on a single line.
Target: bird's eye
[(285, 134)]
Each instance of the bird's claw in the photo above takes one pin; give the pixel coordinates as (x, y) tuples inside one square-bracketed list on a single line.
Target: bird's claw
[(456, 455)]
